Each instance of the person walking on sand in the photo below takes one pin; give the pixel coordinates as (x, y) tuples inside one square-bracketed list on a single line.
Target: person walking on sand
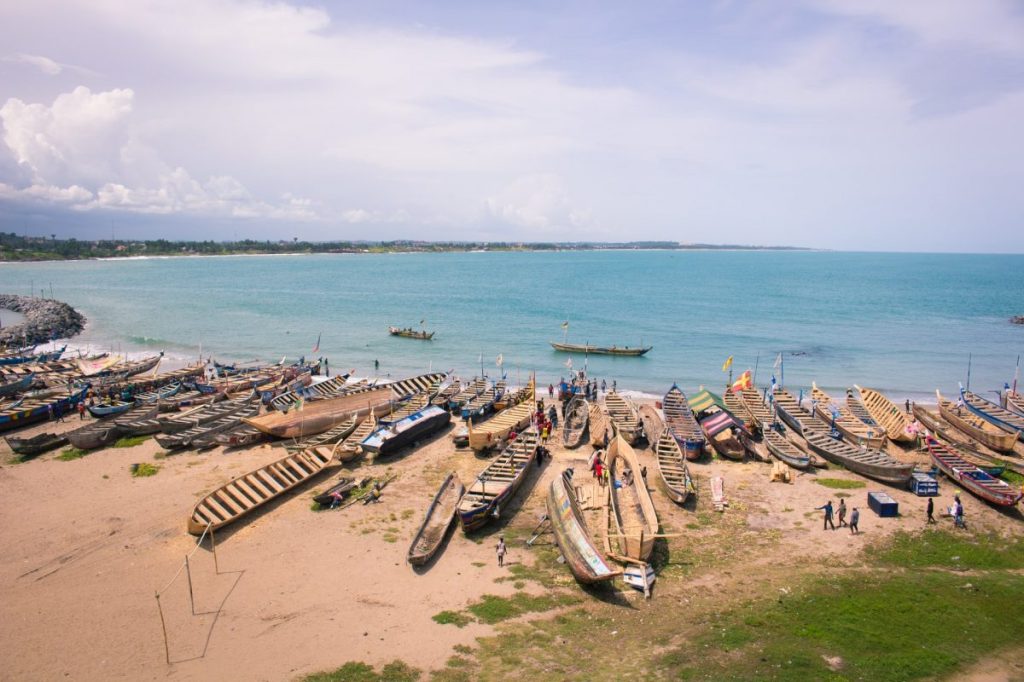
[(827, 508), (81, 410), (551, 390), (958, 514), (842, 513), (908, 405), (931, 511), (854, 520), (502, 550)]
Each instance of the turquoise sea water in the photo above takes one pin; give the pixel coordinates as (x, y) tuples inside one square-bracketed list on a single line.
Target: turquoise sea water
[(904, 323)]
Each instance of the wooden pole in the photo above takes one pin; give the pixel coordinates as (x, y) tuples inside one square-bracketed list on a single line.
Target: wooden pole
[(163, 626), (191, 597), (213, 546)]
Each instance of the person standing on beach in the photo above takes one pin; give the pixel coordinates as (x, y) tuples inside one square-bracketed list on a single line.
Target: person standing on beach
[(842, 513), (81, 410), (615, 385), (908, 405), (854, 520), (827, 508), (931, 511), (551, 390), (604, 384), (502, 550)]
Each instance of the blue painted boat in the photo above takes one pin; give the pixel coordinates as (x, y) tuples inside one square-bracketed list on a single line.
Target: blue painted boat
[(394, 435), (49, 356), (483, 404), (681, 423), (495, 486), (994, 414), (17, 385), (111, 408), (30, 411)]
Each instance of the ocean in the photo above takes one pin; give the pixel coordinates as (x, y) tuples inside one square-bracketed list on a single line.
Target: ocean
[(902, 323)]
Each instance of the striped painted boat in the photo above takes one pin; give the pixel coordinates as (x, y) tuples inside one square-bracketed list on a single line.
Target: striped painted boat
[(573, 536), (845, 422), (888, 415), (624, 416), (989, 411), (681, 422), (496, 484), (986, 433), (971, 478)]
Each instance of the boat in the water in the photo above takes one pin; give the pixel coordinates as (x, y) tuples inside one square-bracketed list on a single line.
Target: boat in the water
[(972, 478), (573, 536), (587, 349), (870, 463), (624, 416), (681, 422), (409, 333), (498, 482), (633, 513), (985, 432), (887, 415), (574, 422), (36, 445), (840, 418), (1002, 418), (394, 434), (241, 495), (784, 450), (438, 519), (672, 469), (322, 415)]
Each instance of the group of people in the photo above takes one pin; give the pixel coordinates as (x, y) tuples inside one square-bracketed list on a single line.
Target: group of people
[(830, 512), (578, 384), (600, 470)]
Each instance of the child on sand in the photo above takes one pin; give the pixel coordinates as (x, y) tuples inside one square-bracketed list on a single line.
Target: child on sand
[(502, 550)]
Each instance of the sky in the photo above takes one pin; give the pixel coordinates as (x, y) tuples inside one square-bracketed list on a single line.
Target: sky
[(841, 124)]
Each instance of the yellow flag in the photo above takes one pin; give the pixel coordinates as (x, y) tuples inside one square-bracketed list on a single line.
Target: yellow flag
[(727, 365)]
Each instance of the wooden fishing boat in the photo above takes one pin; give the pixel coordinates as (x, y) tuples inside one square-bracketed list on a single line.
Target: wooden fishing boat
[(36, 445), (496, 484), (445, 395), (652, 422), (352, 446), (636, 521), (241, 495), (468, 392), (97, 434), (21, 358), (189, 399), (61, 369), (971, 478), (110, 409), (1002, 418), (331, 437), (438, 519), (962, 444), (333, 496), (600, 350), (145, 422), (784, 450), (322, 415), (845, 422), (887, 415), (17, 385), (672, 469), (483, 404), (624, 416), (203, 435), (680, 421), (572, 535), (201, 415), (984, 432), (574, 422), (241, 435), (792, 413), (161, 393), (394, 434), (761, 412), (1014, 402), (407, 333), (734, 403), (598, 424), (332, 388), (32, 410), (496, 430), (858, 410), (723, 430), (870, 463)]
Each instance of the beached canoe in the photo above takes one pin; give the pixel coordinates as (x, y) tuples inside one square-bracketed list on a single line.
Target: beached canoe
[(887, 415), (325, 389), (493, 431), (723, 430), (636, 521), (205, 436), (468, 392), (492, 490), (600, 350), (241, 495), (791, 413), (393, 434), (331, 437), (672, 469), (17, 385), (1004, 419), (986, 433), (572, 535), (734, 403), (758, 408), (681, 422), (483, 404), (598, 424), (36, 445), (241, 435), (652, 422), (870, 463), (204, 414), (352, 445), (32, 410), (101, 433), (784, 450), (110, 409), (436, 522), (446, 393), (839, 416), (1014, 402), (971, 478), (624, 416), (322, 415), (574, 421), (22, 358), (422, 335)]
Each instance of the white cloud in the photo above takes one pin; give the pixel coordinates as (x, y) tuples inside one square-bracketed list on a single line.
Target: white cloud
[(44, 64), (539, 203)]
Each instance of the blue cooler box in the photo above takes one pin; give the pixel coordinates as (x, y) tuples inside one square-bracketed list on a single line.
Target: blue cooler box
[(883, 504), (924, 485)]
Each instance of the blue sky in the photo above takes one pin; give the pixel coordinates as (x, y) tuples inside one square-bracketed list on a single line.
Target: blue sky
[(867, 124)]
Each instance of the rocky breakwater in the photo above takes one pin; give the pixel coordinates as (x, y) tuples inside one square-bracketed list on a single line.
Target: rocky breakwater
[(45, 319)]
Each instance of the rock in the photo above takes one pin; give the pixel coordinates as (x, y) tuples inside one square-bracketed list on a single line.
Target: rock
[(1017, 319), (45, 319)]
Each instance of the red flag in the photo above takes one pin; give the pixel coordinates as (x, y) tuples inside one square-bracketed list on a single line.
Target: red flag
[(743, 382)]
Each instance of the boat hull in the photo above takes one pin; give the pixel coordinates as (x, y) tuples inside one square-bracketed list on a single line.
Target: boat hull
[(573, 537)]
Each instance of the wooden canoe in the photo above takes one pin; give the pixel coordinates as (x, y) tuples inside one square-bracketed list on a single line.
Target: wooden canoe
[(422, 335), (483, 404), (734, 403), (598, 425), (994, 414), (572, 535), (785, 451), (757, 408), (241, 495), (600, 350), (574, 422), (624, 416), (652, 422), (31, 410), (1015, 402), (36, 445), (672, 469), (636, 521), (331, 388), (495, 430), (962, 444), (792, 414), (327, 437), (888, 415), (205, 435), (467, 393), (870, 463), (498, 482), (322, 415), (352, 445), (835, 414), (984, 432), (971, 478), (681, 422), (438, 519)]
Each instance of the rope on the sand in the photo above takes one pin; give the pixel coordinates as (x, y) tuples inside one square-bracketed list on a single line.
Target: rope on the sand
[(184, 562)]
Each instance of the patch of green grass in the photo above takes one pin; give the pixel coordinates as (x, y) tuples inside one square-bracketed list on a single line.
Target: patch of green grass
[(160, 455), (407, 513), (462, 649), (942, 549), (130, 442), (456, 618), (493, 609), (840, 483), (1012, 477), (72, 453), (478, 564), (354, 671), (145, 469), (389, 537)]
